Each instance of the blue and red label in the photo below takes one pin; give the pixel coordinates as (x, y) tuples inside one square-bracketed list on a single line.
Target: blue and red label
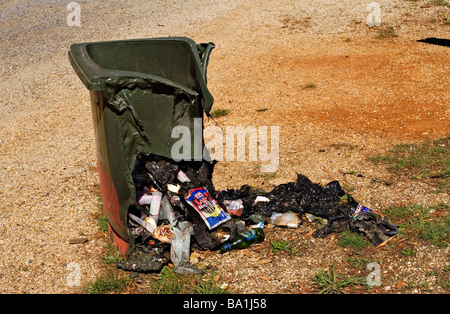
[(208, 208), (361, 209)]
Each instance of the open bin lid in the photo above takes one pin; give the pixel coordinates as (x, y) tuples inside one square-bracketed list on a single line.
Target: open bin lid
[(106, 66)]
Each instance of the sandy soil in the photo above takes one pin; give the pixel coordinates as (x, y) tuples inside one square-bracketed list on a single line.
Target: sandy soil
[(369, 93)]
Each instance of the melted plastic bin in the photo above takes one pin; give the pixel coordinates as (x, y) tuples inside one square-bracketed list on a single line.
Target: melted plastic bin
[(139, 90)]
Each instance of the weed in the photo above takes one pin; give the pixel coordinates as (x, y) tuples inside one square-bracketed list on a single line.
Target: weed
[(409, 252), (265, 176), (353, 240), (344, 199), (217, 113), (348, 188), (382, 159), (329, 282), (100, 216), (388, 32), (436, 231), (282, 246), (103, 223), (171, 283), (309, 86), (428, 160), (112, 256), (431, 273), (357, 262), (319, 222), (109, 284), (208, 286), (430, 223), (439, 3)]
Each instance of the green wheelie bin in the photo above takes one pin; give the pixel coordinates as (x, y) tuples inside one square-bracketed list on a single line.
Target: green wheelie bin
[(140, 90)]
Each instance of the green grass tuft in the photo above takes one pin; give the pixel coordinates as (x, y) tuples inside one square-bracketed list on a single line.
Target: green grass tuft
[(430, 223), (353, 240), (171, 283), (388, 32), (107, 285), (282, 246), (330, 283), (217, 113), (429, 160)]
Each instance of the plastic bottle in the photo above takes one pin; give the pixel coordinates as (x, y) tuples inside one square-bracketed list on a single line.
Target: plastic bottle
[(155, 205), (244, 240), (145, 199)]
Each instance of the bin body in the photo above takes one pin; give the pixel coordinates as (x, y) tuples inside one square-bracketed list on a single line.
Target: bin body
[(139, 90)]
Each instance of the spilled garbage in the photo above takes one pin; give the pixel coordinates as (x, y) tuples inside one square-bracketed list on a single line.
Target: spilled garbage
[(178, 208), (158, 209)]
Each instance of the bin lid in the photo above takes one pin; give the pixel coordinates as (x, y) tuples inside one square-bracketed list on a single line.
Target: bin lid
[(175, 62)]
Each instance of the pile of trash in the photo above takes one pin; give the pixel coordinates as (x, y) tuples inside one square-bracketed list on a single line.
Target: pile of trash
[(178, 207)]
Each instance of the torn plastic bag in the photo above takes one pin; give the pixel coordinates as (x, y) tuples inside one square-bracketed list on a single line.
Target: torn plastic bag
[(180, 250), (199, 175), (246, 194), (167, 212), (163, 172), (144, 261), (176, 176), (375, 228), (211, 239), (301, 196), (289, 219), (311, 197)]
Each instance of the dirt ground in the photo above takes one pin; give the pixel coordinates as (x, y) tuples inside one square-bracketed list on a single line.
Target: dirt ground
[(339, 91)]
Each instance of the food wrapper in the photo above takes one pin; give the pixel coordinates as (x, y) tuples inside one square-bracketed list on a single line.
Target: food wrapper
[(173, 188), (212, 214), (234, 207), (289, 219), (163, 233), (182, 177)]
